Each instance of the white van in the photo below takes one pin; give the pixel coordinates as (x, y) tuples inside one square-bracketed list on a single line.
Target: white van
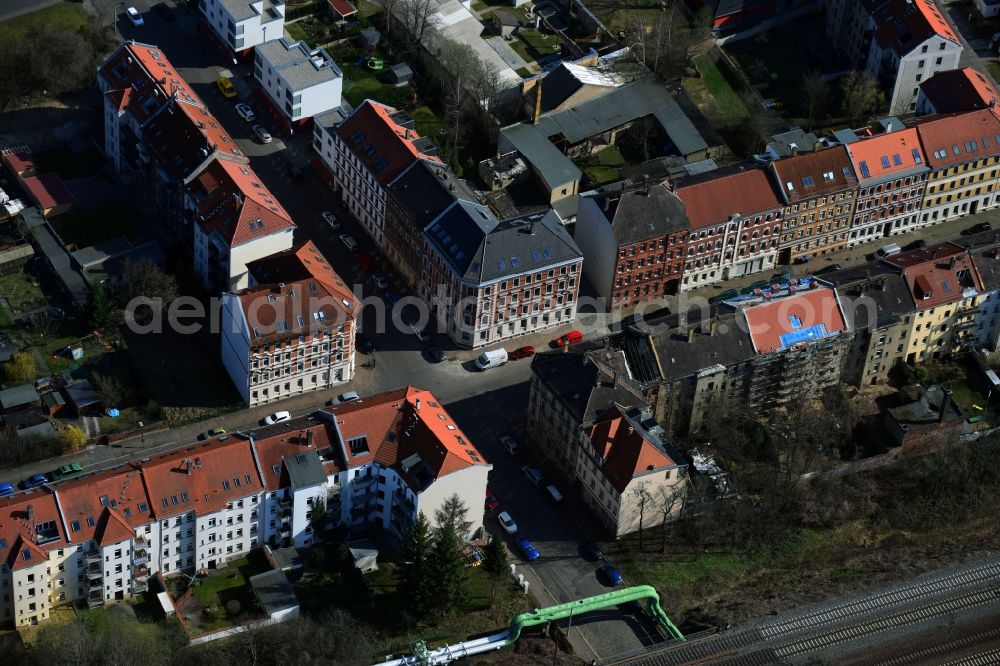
[(888, 250), (491, 359), (554, 495)]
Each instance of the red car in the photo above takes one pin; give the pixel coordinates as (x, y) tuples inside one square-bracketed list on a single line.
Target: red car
[(570, 338), (521, 352), (492, 503)]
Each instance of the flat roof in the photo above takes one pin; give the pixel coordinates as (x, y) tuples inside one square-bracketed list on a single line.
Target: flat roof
[(273, 591), (300, 66)]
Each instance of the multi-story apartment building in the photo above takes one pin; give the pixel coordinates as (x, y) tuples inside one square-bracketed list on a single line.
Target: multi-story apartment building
[(371, 148), (489, 280), (634, 244), (372, 464), (633, 478), (947, 295), (963, 153), (235, 220), (416, 197), (240, 25), (292, 330), (818, 190), (735, 219), (297, 81), (850, 25), (892, 174), (955, 91)]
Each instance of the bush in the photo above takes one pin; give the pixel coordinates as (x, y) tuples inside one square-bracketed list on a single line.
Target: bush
[(233, 608), (73, 437), (21, 368)]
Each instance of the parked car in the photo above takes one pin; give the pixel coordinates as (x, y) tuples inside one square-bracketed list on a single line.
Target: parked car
[(350, 396), (364, 343), (521, 352), (977, 228), (134, 16), (888, 250), (591, 551), (214, 432), (508, 443), (34, 481), (330, 219), (163, 11), (277, 417), (491, 359), (68, 471), (828, 269), (244, 111), (492, 503), (528, 549), (507, 523), (6, 489), (349, 242), (293, 172), (226, 87), (434, 354), (534, 474), (610, 575), (380, 281), (262, 134), (571, 338)]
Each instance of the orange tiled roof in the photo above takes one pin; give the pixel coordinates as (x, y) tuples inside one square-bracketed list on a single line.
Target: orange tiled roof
[(236, 205), (713, 199), (112, 528), (20, 162), (273, 446), (83, 500), (295, 286), (384, 146), (961, 137), (29, 521), (203, 478), (774, 325), (624, 450), (937, 274), (887, 155), (902, 25)]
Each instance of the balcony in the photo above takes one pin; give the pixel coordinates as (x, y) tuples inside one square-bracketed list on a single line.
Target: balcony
[(140, 573), (285, 503), (285, 532), (95, 598), (140, 556), (94, 557), (95, 570), (286, 517)]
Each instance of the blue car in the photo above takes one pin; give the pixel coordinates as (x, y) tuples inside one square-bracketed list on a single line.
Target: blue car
[(527, 549), (6, 489), (34, 481), (611, 575)]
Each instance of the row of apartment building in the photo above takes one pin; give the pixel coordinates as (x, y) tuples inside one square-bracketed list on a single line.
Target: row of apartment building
[(800, 336), (373, 464), (644, 242), (486, 279)]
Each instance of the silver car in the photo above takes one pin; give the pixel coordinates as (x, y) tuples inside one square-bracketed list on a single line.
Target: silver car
[(262, 134), (245, 112)]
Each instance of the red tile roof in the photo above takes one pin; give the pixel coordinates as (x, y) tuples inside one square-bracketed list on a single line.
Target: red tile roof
[(234, 203), (406, 429), (624, 450), (48, 191), (384, 146), (19, 163), (203, 478), (715, 198), (29, 521), (343, 8), (963, 89), (958, 138), (83, 501), (288, 439), (937, 274), (814, 174), (112, 528), (903, 25), (300, 288), (783, 323), (887, 155)]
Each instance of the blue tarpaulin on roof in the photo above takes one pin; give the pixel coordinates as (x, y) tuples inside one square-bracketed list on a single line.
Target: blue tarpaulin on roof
[(810, 334)]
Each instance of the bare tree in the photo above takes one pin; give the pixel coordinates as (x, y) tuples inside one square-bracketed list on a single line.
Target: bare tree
[(669, 501), (862, 97), (415, 17), (815, 96), (643, 501)]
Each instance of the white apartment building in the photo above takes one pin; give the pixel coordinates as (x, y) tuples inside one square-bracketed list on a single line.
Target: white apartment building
[(235, 220), (490, 281), (240, 25), (300, 82), (292, 330), (370, 148), (912, 41)]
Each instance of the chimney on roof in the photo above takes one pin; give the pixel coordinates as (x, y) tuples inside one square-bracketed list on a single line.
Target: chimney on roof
[(31, 513), (309, 437), (794, 147), (945, 404), (714, 328), (187, 465), (538, 102), (416, 404), (691, 333), (951, 262)]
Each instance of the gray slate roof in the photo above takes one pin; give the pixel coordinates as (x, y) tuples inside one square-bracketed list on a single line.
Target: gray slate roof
[(551, 164), (427, 188), (274, 591), (294, 62), (644, 214), (305, 470), (587, 380), (872, 283), (483, 250), (18, 396)]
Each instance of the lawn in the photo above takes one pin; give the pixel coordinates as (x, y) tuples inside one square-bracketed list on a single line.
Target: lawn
[(315, 30), (427, 123), (604, 167), (361, 83), (223, 586), (69, 16), (532, 44), (23, 293), (713, 94)]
